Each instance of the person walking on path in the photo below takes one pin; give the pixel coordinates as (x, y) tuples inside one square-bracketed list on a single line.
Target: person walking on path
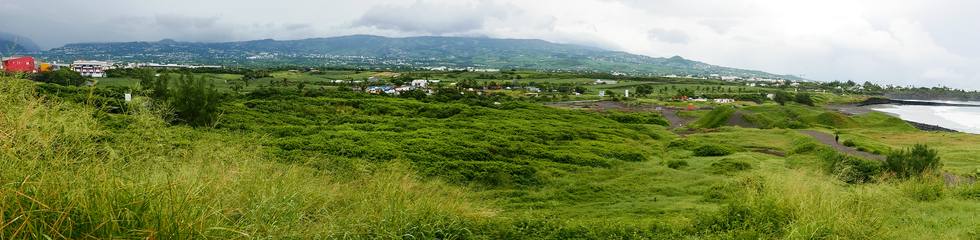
[(836, 136)]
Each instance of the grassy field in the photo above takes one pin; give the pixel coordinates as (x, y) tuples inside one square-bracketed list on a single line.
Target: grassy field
[(337, 164)]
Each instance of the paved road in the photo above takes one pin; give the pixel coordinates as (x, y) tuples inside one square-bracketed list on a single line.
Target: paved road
[(828, 140)]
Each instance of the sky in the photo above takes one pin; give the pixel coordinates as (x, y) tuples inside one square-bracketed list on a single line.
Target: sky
[(897, 42)]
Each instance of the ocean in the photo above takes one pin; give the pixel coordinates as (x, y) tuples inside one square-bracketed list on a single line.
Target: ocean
[(963, 119)]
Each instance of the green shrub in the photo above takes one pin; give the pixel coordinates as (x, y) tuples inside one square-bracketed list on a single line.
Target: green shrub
[(64, 77), (916, 161), (712, 150), (803, 98), (683, 143), (195, 101), (728, 165), (638, 118), (850, 143), (850, 169), (677, 164)]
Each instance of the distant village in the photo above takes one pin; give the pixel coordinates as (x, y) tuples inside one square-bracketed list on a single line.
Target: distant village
[(86, 68), (375, 85)]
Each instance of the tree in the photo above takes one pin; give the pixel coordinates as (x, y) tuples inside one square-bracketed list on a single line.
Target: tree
[(804, 98), (684, 92), (644, 90), (157, 88), (610, 94), (63, 77), (782, 97), (195, 101)]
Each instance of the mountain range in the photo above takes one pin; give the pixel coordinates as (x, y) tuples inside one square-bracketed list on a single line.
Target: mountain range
[(11, 44), (366, 51)]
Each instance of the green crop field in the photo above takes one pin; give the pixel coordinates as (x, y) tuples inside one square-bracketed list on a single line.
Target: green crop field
[(282, 161)]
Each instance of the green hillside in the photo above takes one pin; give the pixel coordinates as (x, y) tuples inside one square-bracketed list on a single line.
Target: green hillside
[(364, 51), (320, 161)]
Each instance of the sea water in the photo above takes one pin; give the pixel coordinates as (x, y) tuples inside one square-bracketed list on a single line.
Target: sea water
[(964, 119)]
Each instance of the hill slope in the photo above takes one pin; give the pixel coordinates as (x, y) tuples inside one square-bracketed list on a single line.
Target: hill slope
[(11, 44), (375, 51)]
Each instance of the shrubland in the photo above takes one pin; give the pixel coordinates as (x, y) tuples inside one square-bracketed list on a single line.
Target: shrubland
[(312, 163)]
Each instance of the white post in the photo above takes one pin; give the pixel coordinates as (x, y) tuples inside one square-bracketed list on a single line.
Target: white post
[(627, 93)]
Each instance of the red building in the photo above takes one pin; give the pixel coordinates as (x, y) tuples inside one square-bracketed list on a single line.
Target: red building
[(19, 64)]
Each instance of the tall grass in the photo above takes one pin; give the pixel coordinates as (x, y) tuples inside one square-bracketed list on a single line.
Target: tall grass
[(799, 205), (63, 176)]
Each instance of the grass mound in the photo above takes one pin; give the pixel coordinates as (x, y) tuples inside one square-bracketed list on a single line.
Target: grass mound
[(716, 118)]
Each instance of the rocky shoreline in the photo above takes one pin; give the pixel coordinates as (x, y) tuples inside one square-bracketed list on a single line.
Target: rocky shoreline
[(930, 128), (858, 109)]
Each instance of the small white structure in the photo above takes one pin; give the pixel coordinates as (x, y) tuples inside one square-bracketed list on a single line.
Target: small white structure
[(600, 81), (420, 83), (627, 94), (90, 68), (724, 100), (771, 96)]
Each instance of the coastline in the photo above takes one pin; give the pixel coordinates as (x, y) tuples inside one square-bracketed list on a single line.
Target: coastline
[(857, 109)]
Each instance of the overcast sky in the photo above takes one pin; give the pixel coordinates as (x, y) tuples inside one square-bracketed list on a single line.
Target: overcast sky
[(901, 42)]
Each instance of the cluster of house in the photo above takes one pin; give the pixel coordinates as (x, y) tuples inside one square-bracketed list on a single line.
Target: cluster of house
[(419, 84), (700, 99), (27, 64), (468, 69), (87, 68)]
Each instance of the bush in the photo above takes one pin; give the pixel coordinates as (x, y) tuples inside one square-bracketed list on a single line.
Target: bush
[(852, 170), (804, 98), (916, 161), (64, 77), (677, 164), (157, 88), (782, 97), (849, 143), (195, 101), (729, 165), (638, 118), (711, 150)]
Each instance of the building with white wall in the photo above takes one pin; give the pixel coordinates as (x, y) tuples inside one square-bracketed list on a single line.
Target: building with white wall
[(90, 68)]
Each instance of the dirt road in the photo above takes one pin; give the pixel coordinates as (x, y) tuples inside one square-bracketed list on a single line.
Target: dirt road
[(828, 139)]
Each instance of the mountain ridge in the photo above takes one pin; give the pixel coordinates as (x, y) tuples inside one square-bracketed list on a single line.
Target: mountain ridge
[(408, 52)]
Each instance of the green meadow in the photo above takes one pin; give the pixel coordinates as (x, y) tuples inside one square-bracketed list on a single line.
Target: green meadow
[(283, 161)]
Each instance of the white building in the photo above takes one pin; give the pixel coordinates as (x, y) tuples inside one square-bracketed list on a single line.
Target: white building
[(90, 68), (420, 83), (600, 82), (724, 100)]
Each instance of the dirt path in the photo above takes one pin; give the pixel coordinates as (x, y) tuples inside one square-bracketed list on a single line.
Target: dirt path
[(738, 119), (675, 121), (828, 139)]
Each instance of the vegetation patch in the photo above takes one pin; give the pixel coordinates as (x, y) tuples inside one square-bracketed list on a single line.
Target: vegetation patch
[(918, 160), (716, 118), (677, 163), (729, 166), (712, 150)]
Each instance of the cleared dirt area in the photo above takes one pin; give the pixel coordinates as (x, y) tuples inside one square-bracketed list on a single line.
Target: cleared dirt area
[(738, 119), (670, 113)]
